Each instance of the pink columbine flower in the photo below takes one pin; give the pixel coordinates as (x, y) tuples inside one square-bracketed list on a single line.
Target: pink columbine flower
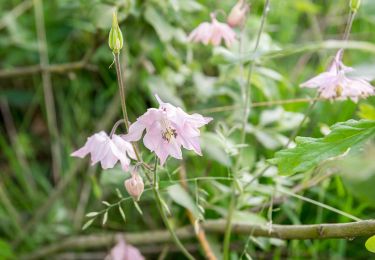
[(334, 84), (213, 33), (108, 151), (167, 129)]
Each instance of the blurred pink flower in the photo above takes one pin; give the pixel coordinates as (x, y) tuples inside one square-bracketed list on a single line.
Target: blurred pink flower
[(167, 129), (334, 84), (135, 186), (213, 33), (107, 150), (124, 251), (237, 15)]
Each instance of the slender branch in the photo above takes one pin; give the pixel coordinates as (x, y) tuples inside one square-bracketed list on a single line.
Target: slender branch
[(47, 90), (15, 12), (317, 231), (246, 109), (261, 104), (53, 68)]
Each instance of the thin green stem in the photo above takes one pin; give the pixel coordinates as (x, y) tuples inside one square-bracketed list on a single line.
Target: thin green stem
[(249, 75), (164, 216), (121, 86), (246, 108)]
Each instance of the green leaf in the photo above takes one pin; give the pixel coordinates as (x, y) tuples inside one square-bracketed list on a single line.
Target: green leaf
[(136, 205), (122, 213), (105, 218), (182, 198), (88, 223), (310, 152), (366, 111), (370, 244), (6, 250), (164, 30), (92, 214)]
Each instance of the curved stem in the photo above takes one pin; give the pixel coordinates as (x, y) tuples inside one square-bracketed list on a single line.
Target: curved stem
[(164, 216)]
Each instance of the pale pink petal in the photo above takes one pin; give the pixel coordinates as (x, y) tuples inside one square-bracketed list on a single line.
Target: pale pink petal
[(318, 80), (124, 251), (153, 137)]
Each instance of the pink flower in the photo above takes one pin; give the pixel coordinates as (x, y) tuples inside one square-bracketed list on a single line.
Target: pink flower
[(334, 84), (107, 150), (167, 129), (237, 15), (213, 33), (124, 251)]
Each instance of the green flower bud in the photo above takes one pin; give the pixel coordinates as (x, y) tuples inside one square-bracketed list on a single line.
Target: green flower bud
[(115, 40), (354, 5)]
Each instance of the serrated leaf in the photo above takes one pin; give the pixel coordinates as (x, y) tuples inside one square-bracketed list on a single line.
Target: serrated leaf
[(370, 244), (122, 213), (88, 223), (105, 218), (182, 198), (310, 152), (92, 214), (138, 207)]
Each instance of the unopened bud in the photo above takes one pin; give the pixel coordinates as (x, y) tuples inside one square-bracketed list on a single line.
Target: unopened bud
[(354, 5), (135, 186), (238, 13), (115, 40)]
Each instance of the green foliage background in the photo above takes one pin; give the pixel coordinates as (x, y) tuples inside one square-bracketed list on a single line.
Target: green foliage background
[(295, 46)]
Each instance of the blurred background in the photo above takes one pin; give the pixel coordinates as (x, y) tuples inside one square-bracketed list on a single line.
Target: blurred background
[(57, 88)]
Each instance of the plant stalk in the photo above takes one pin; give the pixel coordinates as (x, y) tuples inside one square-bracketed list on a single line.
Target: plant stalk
[(164, 216)]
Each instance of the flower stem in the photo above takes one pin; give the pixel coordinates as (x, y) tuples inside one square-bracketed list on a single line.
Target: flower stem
[(246, 108), (164, 216), (121, 87)]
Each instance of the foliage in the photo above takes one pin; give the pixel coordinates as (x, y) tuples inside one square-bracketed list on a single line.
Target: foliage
[(300, 37)]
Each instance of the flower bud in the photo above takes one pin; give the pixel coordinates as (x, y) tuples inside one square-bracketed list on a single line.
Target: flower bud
[(115, 40), (354, 5), (135, 186), (237, 15)]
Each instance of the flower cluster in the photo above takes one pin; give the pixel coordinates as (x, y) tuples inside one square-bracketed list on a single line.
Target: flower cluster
[(215, 32), (335, 84), (168, 128)]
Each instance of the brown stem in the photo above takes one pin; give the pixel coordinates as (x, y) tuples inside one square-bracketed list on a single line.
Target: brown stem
[(201, 235)]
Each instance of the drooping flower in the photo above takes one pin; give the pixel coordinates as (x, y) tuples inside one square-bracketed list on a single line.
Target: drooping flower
[(237, 15), (124, 251), (135, 186), (213, 33), (108, 151), (167, 129), (335, 84)]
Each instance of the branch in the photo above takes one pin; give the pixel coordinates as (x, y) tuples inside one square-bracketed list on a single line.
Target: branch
[(317, 231), (53, 68)]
